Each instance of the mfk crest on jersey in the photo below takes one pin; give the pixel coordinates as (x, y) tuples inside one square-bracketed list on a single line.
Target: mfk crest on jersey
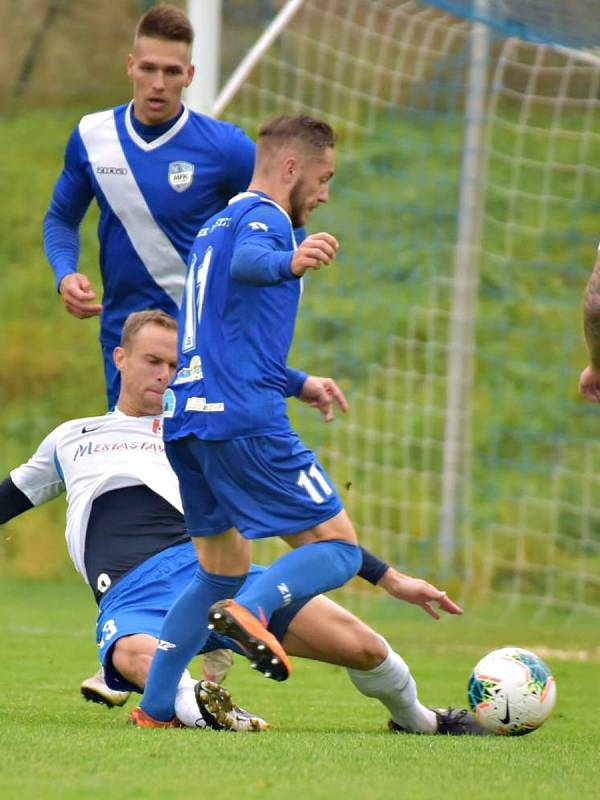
[(181, 175)]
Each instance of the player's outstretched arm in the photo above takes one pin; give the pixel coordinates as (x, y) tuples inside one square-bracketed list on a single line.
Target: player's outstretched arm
[(316, 251), (34, 482), (323, 394), (78, 296), (417, 591), (12, 501), (403, 587), (589, 380)]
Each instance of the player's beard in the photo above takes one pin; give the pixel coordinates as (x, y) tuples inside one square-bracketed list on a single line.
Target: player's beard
[(297, 214)]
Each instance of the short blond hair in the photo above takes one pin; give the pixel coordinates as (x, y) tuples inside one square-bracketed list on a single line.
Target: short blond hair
[(139, 319)]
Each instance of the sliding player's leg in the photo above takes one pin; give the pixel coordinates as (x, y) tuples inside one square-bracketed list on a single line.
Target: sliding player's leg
[(198, 704), (128, 629), (216, 665), (324, 631), (95, 689)]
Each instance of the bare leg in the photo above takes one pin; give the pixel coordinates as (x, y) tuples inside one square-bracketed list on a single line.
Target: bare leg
[(132, 656), (324, 631)]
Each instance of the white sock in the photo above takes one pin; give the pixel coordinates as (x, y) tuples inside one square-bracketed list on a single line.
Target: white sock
[(392, 684), (186, 707), (186, 680)]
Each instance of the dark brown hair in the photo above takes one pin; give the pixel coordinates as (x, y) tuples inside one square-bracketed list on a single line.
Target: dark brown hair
[(165, 22)]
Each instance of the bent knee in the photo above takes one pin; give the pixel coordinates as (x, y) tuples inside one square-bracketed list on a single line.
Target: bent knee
[(131, 663), (369, 649)]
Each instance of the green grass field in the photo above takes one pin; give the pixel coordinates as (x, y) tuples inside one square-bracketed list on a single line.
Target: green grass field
[(378, 321), (326, 740)]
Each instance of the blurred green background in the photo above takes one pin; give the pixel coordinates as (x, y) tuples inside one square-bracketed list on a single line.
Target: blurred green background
[(392, 77)]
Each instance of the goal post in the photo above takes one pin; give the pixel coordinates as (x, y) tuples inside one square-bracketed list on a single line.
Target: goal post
[(464, 292), (205, 16), (466, 203)]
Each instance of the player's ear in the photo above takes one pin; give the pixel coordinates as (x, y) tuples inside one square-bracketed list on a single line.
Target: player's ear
[(130, 63), (118, 357), (191, 71), (290, 169)]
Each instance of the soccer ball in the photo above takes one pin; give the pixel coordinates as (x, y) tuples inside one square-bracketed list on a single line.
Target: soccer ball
[(511, 691)]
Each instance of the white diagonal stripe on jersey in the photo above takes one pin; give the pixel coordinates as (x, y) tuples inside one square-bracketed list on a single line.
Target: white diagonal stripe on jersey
[(159, 256)]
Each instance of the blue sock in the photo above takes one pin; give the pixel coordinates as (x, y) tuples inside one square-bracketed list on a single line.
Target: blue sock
[(183, 634), (299, 574)]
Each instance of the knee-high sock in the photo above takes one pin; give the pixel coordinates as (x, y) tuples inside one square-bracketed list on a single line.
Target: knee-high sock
[(186, 706), (183, 633), (299, 574), (392, 684)]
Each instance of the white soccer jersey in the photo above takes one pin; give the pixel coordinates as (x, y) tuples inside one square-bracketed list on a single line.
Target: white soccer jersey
[(90, 456)]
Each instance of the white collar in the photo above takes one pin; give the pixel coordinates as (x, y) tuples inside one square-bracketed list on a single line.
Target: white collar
[(167, 135)]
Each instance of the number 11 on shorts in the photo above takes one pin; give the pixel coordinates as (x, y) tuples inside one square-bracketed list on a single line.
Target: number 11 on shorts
[(309, 480)]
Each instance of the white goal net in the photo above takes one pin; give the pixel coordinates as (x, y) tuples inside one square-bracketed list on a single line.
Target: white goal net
[(467, 204)]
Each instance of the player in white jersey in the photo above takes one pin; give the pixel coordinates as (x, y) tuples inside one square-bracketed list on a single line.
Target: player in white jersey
[(124, 531), (157, 171), (126, 537)]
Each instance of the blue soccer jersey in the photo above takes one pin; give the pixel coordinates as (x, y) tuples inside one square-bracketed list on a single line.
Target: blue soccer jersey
[(153, 198), (236, 326)]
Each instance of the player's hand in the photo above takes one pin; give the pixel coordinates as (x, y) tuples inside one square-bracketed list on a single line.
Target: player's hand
[(316, 251), (78, 296), (323, 394), (417, 591), (589, 384)]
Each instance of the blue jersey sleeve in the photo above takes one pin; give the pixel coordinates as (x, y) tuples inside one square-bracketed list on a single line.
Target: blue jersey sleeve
[(262, 253), (295, 381), (240, 161), (300, 235), (71, 198)]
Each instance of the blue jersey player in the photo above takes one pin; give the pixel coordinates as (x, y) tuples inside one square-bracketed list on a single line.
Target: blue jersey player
[(158, 171), (241, 468)]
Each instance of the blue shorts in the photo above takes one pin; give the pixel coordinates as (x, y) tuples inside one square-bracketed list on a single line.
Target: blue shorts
[(263, 486), (139, 602), (112, 377)]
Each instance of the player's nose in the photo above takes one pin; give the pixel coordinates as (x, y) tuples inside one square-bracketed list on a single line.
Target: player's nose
[(158, 81)]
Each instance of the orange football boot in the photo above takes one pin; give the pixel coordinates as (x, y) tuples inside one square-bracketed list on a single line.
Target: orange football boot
[(139, 719), (264, 651)]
